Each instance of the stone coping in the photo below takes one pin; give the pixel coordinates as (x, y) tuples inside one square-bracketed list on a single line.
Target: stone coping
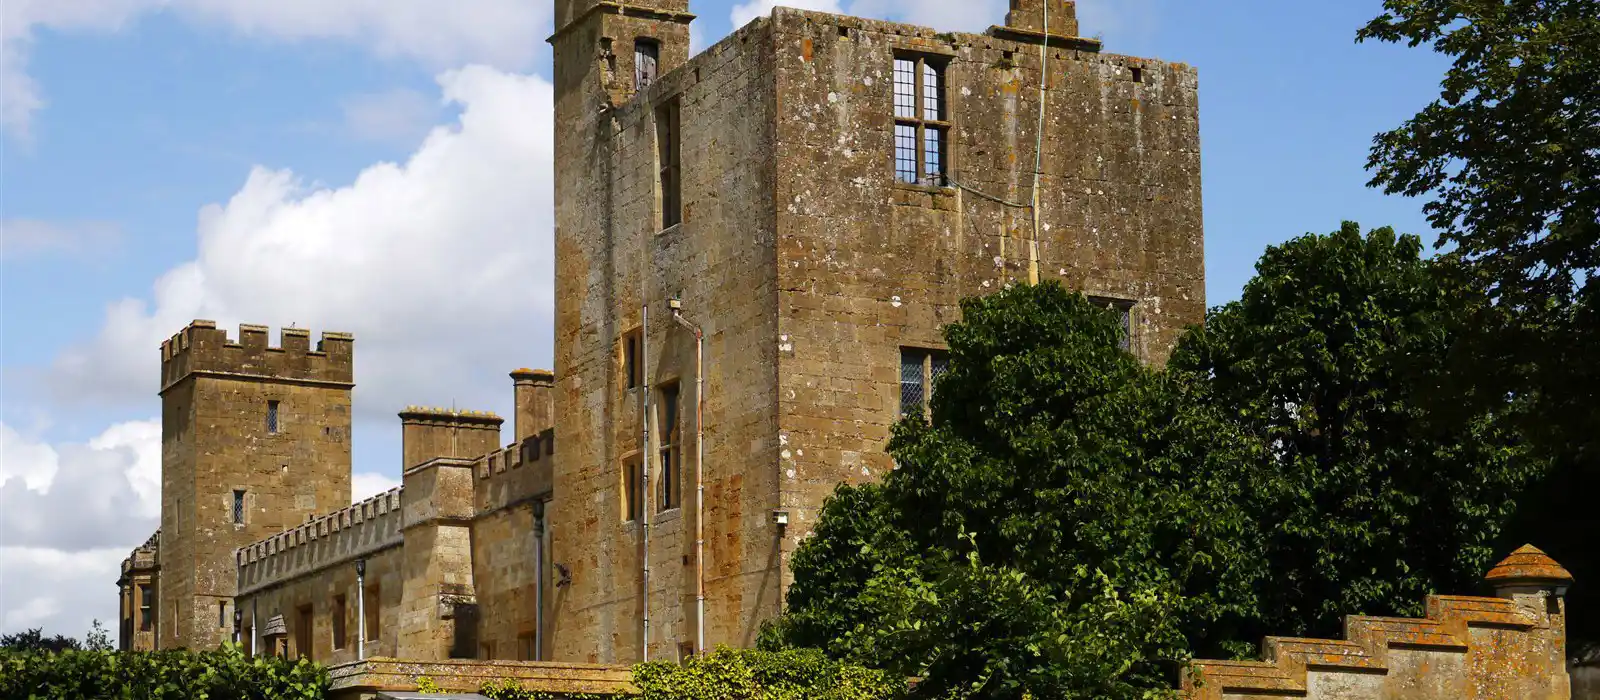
[(363, 678)]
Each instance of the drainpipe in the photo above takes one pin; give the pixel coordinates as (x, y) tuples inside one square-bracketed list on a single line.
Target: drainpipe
[(699, 476), (644, 469), (361, 610), (255, 629), (538, 580)]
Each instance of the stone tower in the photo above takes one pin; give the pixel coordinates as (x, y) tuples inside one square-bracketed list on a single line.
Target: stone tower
[(788, 219), (255, 439)]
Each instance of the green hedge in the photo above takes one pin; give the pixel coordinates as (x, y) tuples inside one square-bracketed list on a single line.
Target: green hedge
[(740, 674), (224, 674)]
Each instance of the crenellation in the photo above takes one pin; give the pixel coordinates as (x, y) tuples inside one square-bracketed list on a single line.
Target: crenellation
[(202, 348), (344, 535)]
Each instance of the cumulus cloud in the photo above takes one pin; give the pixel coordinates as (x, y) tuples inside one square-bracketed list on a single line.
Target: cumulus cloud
[(502, 33), (364, 485), (442, 266), (742, 13), (56, 572)]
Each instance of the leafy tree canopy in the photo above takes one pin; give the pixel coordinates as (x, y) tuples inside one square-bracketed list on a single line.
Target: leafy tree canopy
[(1397, 477), (1072, 523), (1510, 151)]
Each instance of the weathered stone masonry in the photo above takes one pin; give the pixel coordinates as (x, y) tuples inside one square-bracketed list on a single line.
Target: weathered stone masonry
[(755, 185)]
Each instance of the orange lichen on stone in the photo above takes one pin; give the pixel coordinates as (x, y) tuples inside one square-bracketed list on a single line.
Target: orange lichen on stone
[(1527, 565)]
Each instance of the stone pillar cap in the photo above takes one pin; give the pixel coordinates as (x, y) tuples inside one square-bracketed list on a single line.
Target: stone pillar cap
[(1527, 566)]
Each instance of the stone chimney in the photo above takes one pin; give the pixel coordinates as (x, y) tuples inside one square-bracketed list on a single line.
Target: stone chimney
[(431, 433), (535, 394), (1028, 16)]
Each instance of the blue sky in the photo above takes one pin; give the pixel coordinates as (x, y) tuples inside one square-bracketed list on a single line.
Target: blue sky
[(383, 169)]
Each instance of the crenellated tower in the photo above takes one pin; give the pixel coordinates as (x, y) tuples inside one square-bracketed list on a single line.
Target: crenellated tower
[(255, 439)]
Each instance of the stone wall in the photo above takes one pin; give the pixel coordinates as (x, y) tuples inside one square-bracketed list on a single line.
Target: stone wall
[(614, 253), (271, 424), (511, 497), (809, 269), (1508, 647), (308, 568)]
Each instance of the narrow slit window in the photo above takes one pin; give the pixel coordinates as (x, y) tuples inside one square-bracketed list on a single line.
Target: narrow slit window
[(667, 151), (272, 416), (222, 614), (631, 349), (632, 488), (670, 466), (338, 622), (922, 121), (238, 507)]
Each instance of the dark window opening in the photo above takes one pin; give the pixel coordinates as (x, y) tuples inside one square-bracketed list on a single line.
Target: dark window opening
[(370, 607), (1123, 310), (632, 346), (222, 614), (646, 62), (302, 632), (919, 369), (632, 488), (922, 122), (338, 622), (238, 507), (1138, 75), (272, 416), (670, 465), (844, 32), (147, 603), (669, 178)]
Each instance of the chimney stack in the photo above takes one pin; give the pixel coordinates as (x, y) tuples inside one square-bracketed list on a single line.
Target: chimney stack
[(1028, 16), (535, 395)]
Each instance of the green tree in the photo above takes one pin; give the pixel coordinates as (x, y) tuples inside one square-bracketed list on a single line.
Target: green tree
[(1069, 524), (1399, 477), (1510, 152)]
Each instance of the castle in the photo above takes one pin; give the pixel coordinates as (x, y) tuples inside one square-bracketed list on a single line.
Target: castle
[(756, 248)]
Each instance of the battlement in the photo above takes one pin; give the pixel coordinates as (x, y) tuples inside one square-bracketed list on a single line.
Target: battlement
[(344, 535), (202, 348), (144, 556), (514, 473)]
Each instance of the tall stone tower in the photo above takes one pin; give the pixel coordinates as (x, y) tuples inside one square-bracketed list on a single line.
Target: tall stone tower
[(255, 439), (786, 221)]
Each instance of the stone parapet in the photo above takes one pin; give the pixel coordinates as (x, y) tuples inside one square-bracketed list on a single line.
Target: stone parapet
[(1502, 648), (509, 476), (342, 536), (202, 348), (365, 679)]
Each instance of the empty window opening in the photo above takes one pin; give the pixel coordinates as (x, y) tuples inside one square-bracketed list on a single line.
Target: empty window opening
[(669, 180), (147, 604), (1123, 310), (338, 622), (370, 607), (632, 348), (922, 126), (670, 465), (272, 416), (844, 32), (222, 614), (646, 62), (238, 507), (632, 488), (302, 632), (919, 369), (1138, 74)]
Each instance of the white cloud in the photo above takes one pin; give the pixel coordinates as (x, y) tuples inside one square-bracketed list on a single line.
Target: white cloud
[(364, 485), (401, 115), (24, 238), (59, 591), (442, 265), (502, 33), (69, 514), (110, 485), (948, 15)]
